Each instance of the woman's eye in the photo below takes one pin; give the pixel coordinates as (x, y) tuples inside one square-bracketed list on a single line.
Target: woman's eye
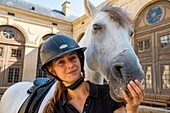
[(73, 57), (61, 62)]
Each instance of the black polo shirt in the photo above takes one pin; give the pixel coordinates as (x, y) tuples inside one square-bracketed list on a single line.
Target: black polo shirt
[(98, 101)]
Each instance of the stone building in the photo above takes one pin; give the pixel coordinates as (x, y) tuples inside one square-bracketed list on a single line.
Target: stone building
[(24, 26)]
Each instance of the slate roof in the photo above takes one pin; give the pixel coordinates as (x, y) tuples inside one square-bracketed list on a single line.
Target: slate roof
[(28, 6)]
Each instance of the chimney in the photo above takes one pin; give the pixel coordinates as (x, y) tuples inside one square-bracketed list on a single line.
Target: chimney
[(66, 8)]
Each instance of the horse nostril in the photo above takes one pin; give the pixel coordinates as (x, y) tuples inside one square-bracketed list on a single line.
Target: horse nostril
[(117, 70)]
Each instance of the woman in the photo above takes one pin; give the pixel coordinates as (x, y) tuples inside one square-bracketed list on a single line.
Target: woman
[(63, 59)]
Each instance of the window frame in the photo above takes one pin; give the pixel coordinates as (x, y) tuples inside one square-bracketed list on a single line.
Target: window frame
[(168, 41), (161, 75), (151, 71), (16, 48), (143, 41), (13, 75), (13, 30)]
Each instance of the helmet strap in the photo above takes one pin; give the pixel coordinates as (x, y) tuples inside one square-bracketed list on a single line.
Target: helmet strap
[(76, 84)]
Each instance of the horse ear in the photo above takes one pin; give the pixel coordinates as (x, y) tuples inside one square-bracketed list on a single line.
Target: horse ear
[(125, 9), (89, 8)]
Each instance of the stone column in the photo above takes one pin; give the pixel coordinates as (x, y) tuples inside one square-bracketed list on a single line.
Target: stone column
[(30, 63)]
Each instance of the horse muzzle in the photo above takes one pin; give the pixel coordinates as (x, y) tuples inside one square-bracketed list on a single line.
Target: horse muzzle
[(124, 69)]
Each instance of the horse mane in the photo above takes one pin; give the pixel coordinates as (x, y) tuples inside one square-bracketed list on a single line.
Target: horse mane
[(118, 15)]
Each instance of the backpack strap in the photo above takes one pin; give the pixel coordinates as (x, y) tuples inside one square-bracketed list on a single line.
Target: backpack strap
[(37, 93)]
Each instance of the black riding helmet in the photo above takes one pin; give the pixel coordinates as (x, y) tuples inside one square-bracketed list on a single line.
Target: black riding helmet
[(56, 46)]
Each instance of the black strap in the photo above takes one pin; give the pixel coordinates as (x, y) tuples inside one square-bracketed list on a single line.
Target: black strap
[(33, 102), (76, 84)]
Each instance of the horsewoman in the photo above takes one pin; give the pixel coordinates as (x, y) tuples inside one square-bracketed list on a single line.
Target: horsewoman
[(63, 59)]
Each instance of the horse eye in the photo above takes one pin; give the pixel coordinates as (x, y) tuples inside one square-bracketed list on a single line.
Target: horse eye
[(96, 27), (131, 33)]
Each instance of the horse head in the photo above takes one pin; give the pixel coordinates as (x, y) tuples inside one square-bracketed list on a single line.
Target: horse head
[(109, 52)]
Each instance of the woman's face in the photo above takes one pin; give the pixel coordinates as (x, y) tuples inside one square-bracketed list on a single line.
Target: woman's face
[(67, 68)]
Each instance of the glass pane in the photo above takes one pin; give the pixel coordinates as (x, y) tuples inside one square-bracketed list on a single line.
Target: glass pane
[(16, 75), (41, 73), (8, 33), (148, 83), (16, 53), (140, 46), (154, 15), (164, 41), (10, 75), (147, 44), (143, 45), (165, 77), (1, 51)]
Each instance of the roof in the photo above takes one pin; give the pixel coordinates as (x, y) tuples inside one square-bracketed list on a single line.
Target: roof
[(28, 6)]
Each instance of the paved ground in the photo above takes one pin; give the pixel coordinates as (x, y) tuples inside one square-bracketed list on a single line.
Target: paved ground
[(146, 109)]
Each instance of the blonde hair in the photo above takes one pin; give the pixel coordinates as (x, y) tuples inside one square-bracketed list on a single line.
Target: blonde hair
[(50, 107)]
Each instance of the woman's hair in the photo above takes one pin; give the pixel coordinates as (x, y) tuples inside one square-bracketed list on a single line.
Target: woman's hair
[(50, 107)]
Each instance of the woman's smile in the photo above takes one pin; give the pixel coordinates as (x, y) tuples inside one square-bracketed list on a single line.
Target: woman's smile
[(72, 71)]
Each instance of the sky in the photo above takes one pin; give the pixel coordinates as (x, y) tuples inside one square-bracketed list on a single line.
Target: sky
[(76, 6)]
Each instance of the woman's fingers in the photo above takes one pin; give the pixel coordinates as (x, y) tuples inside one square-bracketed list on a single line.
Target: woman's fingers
[(134, 90), (140, 86), (137, 91), (137, 94), (126, 97)]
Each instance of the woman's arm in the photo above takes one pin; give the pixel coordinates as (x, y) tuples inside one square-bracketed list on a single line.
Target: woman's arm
[(120, 110)]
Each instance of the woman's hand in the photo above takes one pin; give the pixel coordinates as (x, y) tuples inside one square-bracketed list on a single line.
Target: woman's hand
[(137, 91)]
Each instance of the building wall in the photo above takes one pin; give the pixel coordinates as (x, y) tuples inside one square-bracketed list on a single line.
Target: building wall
[(32, 28)]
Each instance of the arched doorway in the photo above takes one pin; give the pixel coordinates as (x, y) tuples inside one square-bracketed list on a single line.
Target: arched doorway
[(40, 73), (12, 43), (152, 45), (80, 37)]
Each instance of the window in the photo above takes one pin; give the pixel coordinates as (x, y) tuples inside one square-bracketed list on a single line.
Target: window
[(164, 40), (54, 24), (41, 73), (16, 53), (11, 14), (154, 15), (13, 75), (165, 77), (1, 51), (143, 45), (8, 33), (148, 75)]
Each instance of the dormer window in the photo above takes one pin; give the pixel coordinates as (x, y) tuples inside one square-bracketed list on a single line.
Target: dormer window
[(11, 14), (32, 8)]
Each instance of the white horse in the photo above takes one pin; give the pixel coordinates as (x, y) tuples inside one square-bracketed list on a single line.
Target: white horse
[(109, 54)]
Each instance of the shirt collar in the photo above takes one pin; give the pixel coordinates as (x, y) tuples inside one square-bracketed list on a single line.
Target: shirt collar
[(93, 89), (63, 98), (93, 93)]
